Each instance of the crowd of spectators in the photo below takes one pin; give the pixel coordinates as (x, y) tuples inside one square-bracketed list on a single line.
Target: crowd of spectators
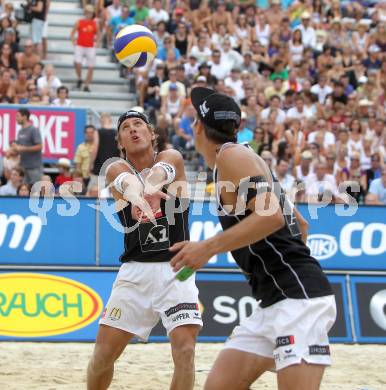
[(309, 75)]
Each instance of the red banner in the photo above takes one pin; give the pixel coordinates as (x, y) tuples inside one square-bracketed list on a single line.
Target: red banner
[(57, 128)]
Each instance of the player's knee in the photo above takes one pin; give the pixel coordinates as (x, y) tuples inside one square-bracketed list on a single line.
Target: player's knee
[(184, 354), (102, 359)]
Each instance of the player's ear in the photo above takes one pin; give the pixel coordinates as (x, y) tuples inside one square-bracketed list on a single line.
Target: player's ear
[(198, 128)]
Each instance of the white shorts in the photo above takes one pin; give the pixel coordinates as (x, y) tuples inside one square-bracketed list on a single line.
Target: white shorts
[(37, 27), (289, 331), (45, 29), (145, 292), (87, 53)]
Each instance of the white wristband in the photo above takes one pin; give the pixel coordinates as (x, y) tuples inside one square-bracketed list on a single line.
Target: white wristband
[(169, 170), (119, 180)]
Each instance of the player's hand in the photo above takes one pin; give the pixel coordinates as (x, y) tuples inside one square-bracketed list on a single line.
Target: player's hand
[(190, 254)]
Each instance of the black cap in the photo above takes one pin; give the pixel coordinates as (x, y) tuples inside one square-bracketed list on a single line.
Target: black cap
[(204, 65), (132, 114), (214, 108)]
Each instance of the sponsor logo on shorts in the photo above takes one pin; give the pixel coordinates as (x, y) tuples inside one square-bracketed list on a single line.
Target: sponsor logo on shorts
[(284, 340), (181, 306), (181, 317), (104, 312), (115, 314), (319, 349), (196, 315), (289, 355)]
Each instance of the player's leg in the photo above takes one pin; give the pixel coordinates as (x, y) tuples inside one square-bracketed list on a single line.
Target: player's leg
[(236, 370), (303, 376), (90, 60), (109, 345), (127, 313), (247, 354), (78, 57), (183, 342), (178, 306)]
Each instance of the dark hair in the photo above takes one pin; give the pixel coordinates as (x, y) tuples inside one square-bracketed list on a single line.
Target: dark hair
[(162, 138), (19, 170), (226, 134), (316, 145), (89, 127), (24, 112), (62, 88), (300, 40), (280, 160), (281, 150), (21, 186), (289, 92)]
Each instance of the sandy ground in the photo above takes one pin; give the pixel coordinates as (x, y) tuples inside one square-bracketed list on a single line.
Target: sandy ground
[(44, 366)]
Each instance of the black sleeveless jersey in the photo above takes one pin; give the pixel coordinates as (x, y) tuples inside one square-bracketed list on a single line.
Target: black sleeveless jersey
[(148, 242), (279, 266)]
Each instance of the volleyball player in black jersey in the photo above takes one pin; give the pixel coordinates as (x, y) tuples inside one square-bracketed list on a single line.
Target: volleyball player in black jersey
[(266, 235), (146, 288)]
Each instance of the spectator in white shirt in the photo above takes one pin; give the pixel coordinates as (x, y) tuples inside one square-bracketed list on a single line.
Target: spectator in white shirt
[(201, 51), (377, 190), (304, 169), (322, 130), (49, 83), (217, 39), (157, 14), (308, 32), (321, 186), (230, 56), (191, 66), (234, 81), (62, 98), (274, 104), (299, 111), (10, 188), (286, 180), (219, 68), (321, 89)]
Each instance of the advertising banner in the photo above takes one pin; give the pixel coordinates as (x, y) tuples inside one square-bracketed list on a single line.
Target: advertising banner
[(339, 242), (29, 234), (66, 306), (349, 242), (369, 304), (53, 232), (61, 129)]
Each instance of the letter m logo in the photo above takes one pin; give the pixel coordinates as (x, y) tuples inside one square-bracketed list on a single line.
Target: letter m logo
[(19, 230)]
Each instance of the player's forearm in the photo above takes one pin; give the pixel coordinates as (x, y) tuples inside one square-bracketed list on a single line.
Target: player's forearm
[(30, 149), (156, 177), (252, 229)]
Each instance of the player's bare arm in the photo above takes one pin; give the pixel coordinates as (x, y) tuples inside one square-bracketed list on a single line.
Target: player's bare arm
[(161, 173), (234, 165), (126, 187), (303, 224)]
